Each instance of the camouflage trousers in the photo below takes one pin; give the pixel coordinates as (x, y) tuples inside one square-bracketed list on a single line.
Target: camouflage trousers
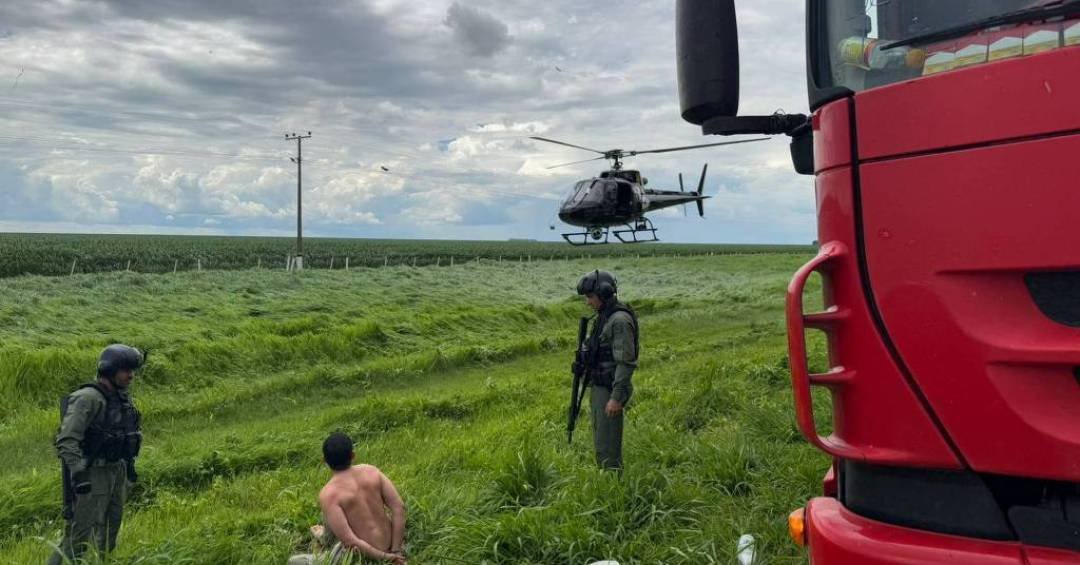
[(607, 431), (98, 513)]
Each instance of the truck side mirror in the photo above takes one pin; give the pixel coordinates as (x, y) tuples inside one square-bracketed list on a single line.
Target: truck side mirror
[(707, 48), (707, 51)]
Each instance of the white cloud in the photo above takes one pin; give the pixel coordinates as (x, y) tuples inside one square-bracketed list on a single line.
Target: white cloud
[(530, 128), (435, 207), (441, 93)]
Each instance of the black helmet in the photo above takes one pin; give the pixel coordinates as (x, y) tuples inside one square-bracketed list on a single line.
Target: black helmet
[(119, 357), (600, 283)]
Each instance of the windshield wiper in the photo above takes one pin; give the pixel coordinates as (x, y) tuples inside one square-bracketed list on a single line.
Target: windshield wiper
[(1044, 12)]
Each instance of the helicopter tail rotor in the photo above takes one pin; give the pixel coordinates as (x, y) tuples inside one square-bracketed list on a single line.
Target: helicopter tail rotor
[(700, 191), (682, 189)]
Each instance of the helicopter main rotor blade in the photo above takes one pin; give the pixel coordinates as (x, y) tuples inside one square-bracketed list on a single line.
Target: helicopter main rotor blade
[(574, 163), (565, 143), (669, 149)]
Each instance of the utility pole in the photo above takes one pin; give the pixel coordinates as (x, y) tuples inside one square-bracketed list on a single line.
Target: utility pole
[(299, 160)]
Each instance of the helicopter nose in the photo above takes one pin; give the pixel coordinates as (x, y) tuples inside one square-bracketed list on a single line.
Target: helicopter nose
[(572, 217)]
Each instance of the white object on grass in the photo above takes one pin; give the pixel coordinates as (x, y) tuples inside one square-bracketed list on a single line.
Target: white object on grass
[(744, 550)]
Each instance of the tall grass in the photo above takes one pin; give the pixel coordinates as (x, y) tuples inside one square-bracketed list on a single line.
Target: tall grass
[(453, 384)]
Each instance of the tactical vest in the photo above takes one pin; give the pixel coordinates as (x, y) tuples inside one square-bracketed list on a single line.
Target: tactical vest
[(115, 436), (604, 355)]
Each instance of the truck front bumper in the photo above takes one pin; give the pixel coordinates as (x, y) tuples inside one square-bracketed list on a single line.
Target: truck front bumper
[(836, 536)]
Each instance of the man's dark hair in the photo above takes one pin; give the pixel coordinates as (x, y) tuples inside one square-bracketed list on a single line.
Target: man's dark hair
[(337, 450)]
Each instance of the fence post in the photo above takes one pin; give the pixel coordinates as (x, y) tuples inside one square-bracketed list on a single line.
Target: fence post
[(438, 260), (73, 266), (175, 265), (346, 263), (331, 262), (451, 260), (128, 268), (198, 262)]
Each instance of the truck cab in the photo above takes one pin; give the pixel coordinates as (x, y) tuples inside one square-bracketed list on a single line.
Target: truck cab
[(941, 137)]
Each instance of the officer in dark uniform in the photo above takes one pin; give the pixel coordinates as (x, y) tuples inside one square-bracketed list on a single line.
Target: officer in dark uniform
[(97, 444), (613, 347)]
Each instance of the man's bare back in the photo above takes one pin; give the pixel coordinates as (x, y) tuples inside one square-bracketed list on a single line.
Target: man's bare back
[(355, 502)]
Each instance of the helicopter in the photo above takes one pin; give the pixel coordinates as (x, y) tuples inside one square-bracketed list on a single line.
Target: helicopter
[(618, 197)]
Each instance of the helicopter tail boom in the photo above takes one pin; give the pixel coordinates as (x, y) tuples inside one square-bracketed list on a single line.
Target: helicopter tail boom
[(664, 198)]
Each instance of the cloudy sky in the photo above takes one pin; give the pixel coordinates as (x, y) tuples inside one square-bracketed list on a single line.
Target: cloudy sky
[(168, 116)]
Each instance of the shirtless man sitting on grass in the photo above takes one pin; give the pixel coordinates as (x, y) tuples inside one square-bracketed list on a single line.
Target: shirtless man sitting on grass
[(354, 504)]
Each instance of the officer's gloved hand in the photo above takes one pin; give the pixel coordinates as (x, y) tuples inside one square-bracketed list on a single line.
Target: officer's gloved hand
[(80, 482)]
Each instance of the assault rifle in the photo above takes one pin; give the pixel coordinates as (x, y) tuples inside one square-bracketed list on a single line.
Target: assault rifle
[(68, 507), (582, 378)]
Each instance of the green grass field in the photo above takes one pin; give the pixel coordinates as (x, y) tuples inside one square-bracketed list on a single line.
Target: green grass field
[(453, 380), (66, 254)]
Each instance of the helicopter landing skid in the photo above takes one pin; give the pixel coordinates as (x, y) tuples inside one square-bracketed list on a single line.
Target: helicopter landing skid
[(594, 236), (642, 226)]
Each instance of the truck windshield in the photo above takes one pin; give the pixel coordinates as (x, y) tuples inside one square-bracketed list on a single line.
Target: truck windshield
[(856, 51)]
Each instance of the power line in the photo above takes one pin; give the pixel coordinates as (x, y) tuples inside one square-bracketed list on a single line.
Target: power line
[(49, 143), (163, 151), (69, 107), (345, 139), (65, 145), (334, 143), (91, 134), (59, 144), (487, 192)]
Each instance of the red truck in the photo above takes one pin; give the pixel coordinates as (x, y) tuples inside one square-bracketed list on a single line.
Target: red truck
[(944, 138)]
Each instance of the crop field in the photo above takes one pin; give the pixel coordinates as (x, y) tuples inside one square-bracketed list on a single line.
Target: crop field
[(454, 381), (65, 254)]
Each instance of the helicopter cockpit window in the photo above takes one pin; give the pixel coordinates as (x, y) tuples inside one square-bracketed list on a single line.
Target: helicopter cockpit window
[(608, 191), (595, 194), (578, 193)]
